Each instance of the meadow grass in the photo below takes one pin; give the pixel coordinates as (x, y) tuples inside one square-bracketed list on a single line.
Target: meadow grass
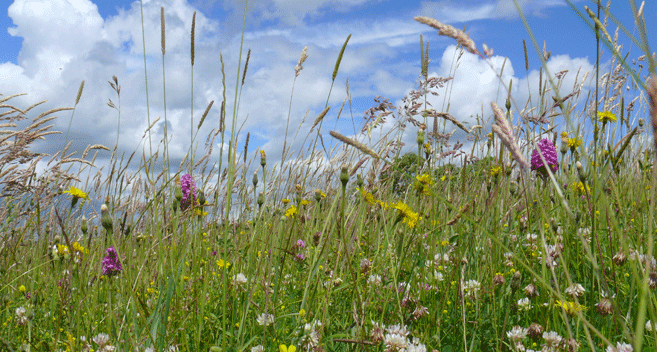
[(539, 237)]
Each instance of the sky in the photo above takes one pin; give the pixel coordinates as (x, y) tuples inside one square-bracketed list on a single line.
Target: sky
[(49, 46)]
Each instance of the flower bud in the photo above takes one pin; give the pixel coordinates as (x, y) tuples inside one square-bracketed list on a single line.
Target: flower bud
[(261, 199), (420, 137), (344, 176), (263, 159), (105, 218), (255, 179), (84, 225)]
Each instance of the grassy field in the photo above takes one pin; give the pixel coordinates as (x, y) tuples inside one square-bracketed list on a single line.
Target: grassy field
[(537, 236)]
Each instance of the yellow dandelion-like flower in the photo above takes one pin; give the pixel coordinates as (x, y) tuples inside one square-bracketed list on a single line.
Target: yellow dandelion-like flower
[(606, 116), (291, 211), (367, 196), (564, 134), (581, 188), (425, 179), (285, 200), (571, 308), (574, 142), (495, 170), (409, 216), (222, 264), (304, 202), (77, 193)]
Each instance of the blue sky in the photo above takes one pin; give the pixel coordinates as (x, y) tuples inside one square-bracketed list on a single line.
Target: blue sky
[(50, 46)]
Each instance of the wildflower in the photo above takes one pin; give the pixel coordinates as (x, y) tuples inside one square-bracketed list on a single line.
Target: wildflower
[(471, 287), (304, 202), (21, 316), (406, 214), (516, 335), (581, 188), (573, 143), (374, 280), (365, 265), (239, 280), (265, 319), (552, 340), (76, 193), (495, 171), (189, 191), (606, 116), (571, 308), (620, 347), (283, 348), (291, 211), (549, 152), (498, 280), (395, 342), (604, 307), (575, 290), (650, 326), (263, 158), (424, 183), (301, 244), (531, 291), (524, 304), (420, 311), (102, 341), (222, 263), (111, 263), (319, 195), (258, 348), (534, 331), (285, 201), (377, 332)]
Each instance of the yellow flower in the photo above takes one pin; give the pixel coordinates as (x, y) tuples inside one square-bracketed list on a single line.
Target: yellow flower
[(367, 196), (574, 142), (221, 264), (606, 116), (21, 288), (302, 312), (283, 348), (200, 212), (285, 200), (409, 216), (78, 248), (291, 211), (62, 248), (571, 308), (495, 170), (580, 188), (304, 202), (77, 193), (564, 135), (423, 183)]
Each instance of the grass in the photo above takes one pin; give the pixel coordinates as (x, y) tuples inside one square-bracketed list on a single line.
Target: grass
[(446, 249)]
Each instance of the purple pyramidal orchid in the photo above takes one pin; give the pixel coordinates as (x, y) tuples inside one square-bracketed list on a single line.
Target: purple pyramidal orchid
[(549, 152)]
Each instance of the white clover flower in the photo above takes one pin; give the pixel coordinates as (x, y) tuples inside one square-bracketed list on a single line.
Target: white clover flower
[(258, 348), (575, 290), (516, 333), (374, 280), (524, 304), (239, 280), (552, 339), (21, 316), (620, 347), (395, 342), (265, 319), (649, 326)]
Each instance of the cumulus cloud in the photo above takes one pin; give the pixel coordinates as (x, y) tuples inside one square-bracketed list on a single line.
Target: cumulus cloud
[(67, 41)]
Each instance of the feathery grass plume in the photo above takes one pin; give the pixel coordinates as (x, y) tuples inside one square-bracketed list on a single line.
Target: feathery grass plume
[(360, 146), (598, 23), (652, 95), (205, 114), (524, 47), (337, 63), (222, 117), (504, 130), (246, 145), (449, 31), (193, 27), (77, 99), (246, 65), (319, 118), (299, 66), (162, 31), (451, 118)]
